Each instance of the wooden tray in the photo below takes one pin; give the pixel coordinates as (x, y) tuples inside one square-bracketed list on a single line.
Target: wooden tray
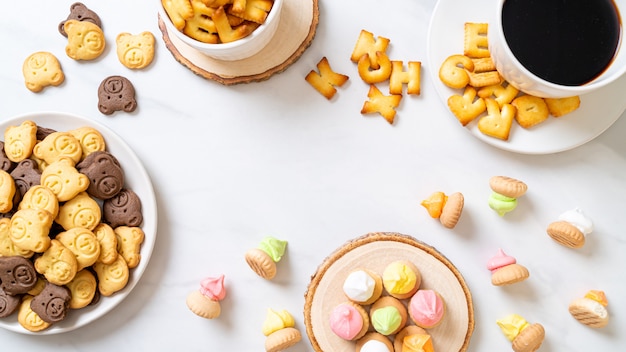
[(374, 251), (295, 32)]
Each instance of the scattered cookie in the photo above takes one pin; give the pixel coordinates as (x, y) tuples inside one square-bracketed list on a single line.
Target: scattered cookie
[(571, 228), (135, 51), (80, 12), (454, 71), (20, 140), (326, 80), (372, 75), (591, 309), (116, 93), (42, 69), (505, 270), (497, 123), (399, 77), (530, 110), (52, 304), (466, 107), (525, 337), (562, 106), (475, 42), (505, 191), (85, 40), (367, 44), (262, 260), (205, 302), (385, 105), (447, 209), (279, 329)]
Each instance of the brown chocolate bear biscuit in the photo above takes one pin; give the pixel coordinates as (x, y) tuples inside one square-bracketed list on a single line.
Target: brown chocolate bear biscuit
[(5, 163), (106, 177), (26, 174), (80, 12), (8, 303), (43, 132), (17, 275), (123, 210), (116, 93), (52, 303)]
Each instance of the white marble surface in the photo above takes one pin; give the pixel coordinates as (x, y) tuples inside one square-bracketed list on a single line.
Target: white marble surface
[(233, 164)]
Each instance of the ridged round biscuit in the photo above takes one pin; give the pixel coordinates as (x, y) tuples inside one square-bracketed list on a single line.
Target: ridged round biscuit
[(203, 306), (509, 274), (389, 301), (261, 263), (452, 210), (508, 186), (398, 340), (529, 339), (375, 336), (282, 339), (589, 312), (566, 234)]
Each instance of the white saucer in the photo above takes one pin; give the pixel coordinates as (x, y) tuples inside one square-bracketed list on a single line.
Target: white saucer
[(597, 112)]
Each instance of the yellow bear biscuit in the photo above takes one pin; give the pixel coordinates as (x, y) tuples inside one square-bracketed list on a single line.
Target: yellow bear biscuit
[(40, 197), (83, 244), (57, 264), (7, 191), (64, 180), (20, 140), (40, 70), (108, 243), (90, 139), (129, 240), (83, 289), (81, 211), (135, 51), (57, 145), (29, 229), (28, 319), (112, 277), (85, 40), (7, 247)]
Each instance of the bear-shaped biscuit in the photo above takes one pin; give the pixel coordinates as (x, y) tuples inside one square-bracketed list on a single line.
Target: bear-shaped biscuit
[(57, 264), (8, 303), (40, 197), (83, 289), (106, 177), (17, 275), (83, 243), (135, 51), (116, 93), (123, 210), (7, 191), (85, 40), (64, 180), (29, 229), (80, 12), (129, 240), (7, 247), (52, 303), (112, 277), (81, 211), (5, 163), (90, 139), (108, 243), (28, 319), (40, 70), (57, 145), (20, 140), (26, 175)]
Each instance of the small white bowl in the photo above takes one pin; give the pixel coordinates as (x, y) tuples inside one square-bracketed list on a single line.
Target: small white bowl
[(239, 49)]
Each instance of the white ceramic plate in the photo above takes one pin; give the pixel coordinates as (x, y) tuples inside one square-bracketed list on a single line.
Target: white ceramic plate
[(136, 179), (597, 112)]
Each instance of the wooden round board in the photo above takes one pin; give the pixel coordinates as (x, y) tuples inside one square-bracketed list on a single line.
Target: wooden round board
[(374, 251), (299, 19)]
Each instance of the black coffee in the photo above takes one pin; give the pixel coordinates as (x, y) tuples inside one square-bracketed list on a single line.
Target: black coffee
[(568, 42)]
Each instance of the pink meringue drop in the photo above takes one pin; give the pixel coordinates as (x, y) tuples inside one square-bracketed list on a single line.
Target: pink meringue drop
[(346, 321), (499, 260), (426, 308), (213, 288)]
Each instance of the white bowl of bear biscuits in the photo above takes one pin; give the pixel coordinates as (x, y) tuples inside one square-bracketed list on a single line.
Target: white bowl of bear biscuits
[(223, 29)]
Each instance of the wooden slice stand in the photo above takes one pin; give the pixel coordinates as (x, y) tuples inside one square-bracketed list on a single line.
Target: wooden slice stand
[(295, 32), (375, 251)]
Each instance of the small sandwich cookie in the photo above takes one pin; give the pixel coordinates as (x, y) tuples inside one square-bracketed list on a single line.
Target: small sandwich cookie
[(349, 321), (506, 190), (446, 208), (524, 337), (374, 342), (205, 302), (363, 286), (571, 228), (591, 309), (262, 260), (505, 270), (398, 340), (388, 315)]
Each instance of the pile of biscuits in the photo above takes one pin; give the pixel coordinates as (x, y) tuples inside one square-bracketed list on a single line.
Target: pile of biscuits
[(86, 42), (486, 96), (217, 21), (70, 230)]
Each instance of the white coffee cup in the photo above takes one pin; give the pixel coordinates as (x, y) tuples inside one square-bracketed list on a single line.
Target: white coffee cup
[(521, 78)]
